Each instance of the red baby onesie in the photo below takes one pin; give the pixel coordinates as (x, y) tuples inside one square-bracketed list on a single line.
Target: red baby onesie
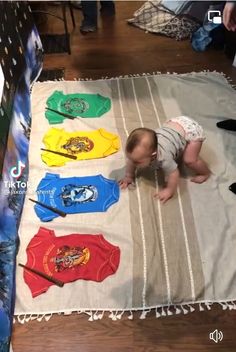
[(68, 258)]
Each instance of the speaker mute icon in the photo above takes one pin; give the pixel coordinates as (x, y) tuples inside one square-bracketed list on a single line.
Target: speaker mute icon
[(216, 336)]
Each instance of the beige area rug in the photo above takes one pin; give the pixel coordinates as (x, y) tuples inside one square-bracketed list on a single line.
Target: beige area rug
[(172, 256)]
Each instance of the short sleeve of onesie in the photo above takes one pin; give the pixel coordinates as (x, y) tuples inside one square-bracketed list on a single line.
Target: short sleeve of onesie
[(169, 165), (165, 162)]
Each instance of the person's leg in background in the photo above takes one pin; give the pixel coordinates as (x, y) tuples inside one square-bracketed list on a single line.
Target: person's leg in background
[(107, 8), (89, 9), (89, 23)]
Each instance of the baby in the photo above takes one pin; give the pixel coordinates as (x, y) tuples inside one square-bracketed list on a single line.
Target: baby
[(178, 137)]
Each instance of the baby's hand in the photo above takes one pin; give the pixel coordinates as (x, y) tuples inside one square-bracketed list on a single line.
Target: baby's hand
[(164, 195), (125, 182)]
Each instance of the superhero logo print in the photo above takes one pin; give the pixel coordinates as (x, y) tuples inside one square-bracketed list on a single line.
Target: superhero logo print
[(75, 105), (78, 144), (72, 194), (70, 257)]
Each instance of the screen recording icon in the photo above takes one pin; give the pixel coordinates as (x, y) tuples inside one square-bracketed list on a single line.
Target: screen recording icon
[(216, 336), (214, 16)]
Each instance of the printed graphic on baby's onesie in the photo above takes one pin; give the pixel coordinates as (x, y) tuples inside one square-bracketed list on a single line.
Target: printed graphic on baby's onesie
[(78, 144), (69, 257), (72, 194), (75, 106)]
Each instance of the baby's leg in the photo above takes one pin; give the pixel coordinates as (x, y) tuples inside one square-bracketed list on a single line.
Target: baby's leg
[(192, 160)]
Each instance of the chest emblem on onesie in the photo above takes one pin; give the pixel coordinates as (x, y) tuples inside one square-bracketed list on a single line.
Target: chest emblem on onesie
[(77, 145)]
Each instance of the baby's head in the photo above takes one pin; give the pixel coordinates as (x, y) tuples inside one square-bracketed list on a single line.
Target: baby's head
[(141, 146)]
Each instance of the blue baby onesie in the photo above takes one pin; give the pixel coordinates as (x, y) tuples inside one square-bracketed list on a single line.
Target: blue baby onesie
[(75, 195)]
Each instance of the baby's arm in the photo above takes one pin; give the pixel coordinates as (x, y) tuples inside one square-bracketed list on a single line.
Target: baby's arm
[(129, 175), (172, 182)]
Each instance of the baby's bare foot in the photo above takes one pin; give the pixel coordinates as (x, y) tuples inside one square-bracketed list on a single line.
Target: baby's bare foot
[(200, 178)]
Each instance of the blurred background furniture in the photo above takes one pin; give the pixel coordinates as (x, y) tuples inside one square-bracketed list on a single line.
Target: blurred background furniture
[(54, 43)]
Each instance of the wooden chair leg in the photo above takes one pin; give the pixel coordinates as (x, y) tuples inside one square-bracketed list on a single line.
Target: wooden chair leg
[(72, 14), (66, 27)]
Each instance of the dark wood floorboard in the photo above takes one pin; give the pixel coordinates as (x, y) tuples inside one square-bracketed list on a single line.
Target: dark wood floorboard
[(120, 49), (178, 333)]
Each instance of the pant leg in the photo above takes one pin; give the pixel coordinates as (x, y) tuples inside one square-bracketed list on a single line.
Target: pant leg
[(89, 9), (108, 6)]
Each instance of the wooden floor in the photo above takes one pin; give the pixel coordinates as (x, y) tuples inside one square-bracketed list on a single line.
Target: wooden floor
[(119, 49)]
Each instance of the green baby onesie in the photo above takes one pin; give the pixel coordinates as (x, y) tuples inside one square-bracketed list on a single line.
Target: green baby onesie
[(83, 105)]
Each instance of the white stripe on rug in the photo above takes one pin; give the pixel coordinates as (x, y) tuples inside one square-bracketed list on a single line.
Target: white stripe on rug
[(187, 247)]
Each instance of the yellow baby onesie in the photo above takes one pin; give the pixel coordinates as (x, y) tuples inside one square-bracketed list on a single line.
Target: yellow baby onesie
[(81, 144)]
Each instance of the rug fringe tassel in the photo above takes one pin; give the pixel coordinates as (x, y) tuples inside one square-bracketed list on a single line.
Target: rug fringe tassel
[(144, 313), (234, 305), (192, 309), (185, 310), (163, 313), (100, 315), (208, 305), (130, 316), (48, 316), (201, 307), (40, 318), (160, 311), (169, 312), (119, 316), (157, 313), (155, 73), (67, 313), (177, 310)]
